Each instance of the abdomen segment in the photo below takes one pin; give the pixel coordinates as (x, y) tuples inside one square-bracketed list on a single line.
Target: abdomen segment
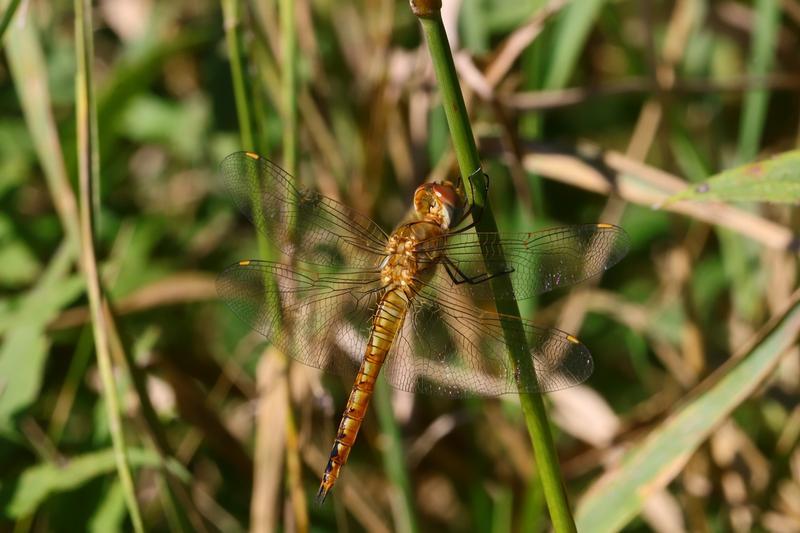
[(385, 325)]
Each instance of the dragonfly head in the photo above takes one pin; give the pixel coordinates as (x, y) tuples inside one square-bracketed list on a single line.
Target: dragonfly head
[(440, 203)]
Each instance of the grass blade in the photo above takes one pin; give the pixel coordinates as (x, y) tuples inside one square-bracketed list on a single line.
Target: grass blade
[(572, 32), (8, 16), (29, 72), (754, 112), (24, 348), (88, 171), (289, 85), (619, 495), (394, 460), (772, 180), (230, 10), (36, 483)]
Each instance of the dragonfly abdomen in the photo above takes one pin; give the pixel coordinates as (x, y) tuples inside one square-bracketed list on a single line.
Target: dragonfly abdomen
[(386, 323)]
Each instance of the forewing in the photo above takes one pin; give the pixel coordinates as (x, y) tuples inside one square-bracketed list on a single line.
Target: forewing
[(321, 318), (304, 224), (449, 347), (536, 262)]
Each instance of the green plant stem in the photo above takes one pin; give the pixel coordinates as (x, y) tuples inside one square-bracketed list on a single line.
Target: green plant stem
[(230, 13), (81, 359), (266, 250), (394, 459), (289, 85), (289, 98), (88, 170), (468, 161)]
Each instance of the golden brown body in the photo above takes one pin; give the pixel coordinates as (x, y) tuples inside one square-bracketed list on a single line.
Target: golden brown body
[(405, 264)]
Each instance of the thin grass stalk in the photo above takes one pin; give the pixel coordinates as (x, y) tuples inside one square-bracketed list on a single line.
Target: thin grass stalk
[(81, 358), (289, 84), (178, 501), (232, 24), (28, 69), (289, 100), (762, 56), (88, 171), (429, 14), (394, 459), (230, 14)]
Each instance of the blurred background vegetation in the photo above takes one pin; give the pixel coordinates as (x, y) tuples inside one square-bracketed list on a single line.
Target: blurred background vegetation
[(584, 112)]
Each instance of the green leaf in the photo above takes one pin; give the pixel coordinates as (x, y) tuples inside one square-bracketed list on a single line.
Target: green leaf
[(21, 496), (110, 514), (181, 126), (772, 180), (28, 69), (572, 32), (22, 358), (762, 56), (23, 352), (619, 495), (15, 154), (20, 266)]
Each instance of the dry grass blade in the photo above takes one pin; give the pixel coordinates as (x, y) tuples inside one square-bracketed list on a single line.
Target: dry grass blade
[(270, 445), (178, 288), (642, 184), (29, 72), (557, 98)]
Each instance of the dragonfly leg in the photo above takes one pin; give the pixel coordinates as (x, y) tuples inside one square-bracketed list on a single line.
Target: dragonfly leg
[(472, 280), (468, 212)]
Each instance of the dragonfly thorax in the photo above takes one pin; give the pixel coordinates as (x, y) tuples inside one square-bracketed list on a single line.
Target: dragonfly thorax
[(400, 266), (408, 256)]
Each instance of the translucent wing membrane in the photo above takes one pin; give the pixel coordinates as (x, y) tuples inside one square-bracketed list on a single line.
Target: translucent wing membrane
[(304, 224), (450, 347), (321, 318), (535, 262), (319, 310)]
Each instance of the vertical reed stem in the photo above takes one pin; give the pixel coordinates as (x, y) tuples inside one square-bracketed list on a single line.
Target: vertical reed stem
[(429, 14)]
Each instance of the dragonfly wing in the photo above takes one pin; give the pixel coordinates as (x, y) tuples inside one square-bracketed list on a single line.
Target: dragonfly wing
[(449, 347), (321, 318), (536, 262), (305, 225)]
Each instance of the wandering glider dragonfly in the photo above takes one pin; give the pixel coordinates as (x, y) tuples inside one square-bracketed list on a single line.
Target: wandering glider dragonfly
[(353, 300)]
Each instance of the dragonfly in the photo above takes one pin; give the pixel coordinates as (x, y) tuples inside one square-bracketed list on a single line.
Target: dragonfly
[(419, 304)]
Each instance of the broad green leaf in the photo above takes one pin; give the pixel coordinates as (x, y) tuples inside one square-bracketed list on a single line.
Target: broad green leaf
[(22, 357), (181, 126), (20, 266), (619, 495), (23, 351), (110, 514), (771, 180), (15, 154), (39, 306), (22, 495)]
